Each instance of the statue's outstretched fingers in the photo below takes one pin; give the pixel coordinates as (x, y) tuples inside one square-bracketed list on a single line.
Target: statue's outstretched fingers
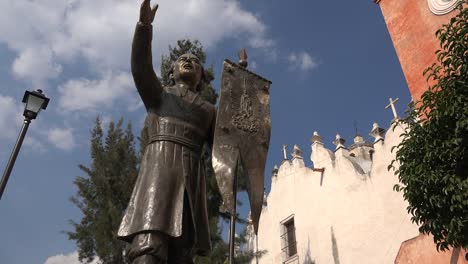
[(153, 11), (145, 3)]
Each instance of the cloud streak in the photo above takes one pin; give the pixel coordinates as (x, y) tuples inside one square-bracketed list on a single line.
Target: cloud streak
[(71, 258), (89, 95), (9, 121), (302, 61), (62, 138)]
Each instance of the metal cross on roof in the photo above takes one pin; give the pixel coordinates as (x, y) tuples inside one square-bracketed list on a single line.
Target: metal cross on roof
[(392, 105)]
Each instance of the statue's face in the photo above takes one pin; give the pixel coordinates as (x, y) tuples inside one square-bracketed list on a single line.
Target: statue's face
[(188, 69)]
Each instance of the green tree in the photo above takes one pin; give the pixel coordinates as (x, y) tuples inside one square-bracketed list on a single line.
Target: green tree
[(104, 192), (433, 155)]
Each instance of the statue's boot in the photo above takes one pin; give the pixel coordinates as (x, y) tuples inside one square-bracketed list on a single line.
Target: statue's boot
[(149, 248), (181, 260), (148, 259), (180, 255)]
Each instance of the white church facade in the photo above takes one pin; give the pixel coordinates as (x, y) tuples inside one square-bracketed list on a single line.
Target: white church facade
[(342, 211)]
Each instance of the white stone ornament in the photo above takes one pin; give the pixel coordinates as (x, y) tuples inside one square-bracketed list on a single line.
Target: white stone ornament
[(339, 142), (297, 152), (316, 138), (442, 7)]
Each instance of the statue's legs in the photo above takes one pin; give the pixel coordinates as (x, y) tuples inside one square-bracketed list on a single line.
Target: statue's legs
[(147, 259), (180, 249), (159, 248)]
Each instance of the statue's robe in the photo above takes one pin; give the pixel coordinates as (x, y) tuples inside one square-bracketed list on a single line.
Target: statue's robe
[(178, 124)]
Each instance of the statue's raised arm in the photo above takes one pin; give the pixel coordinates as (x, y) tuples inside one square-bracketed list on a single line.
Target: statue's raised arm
[(143, 73)]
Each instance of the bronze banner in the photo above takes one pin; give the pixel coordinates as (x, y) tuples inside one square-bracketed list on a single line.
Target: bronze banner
[(242, 135)]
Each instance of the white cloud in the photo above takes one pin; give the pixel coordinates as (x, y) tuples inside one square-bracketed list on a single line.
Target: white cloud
[(260, 42), (34, 144), (37, 65), (302, 61), (88, 95), (71, 258), (101, 31), (62, 138), (10, 117), (253, 65)]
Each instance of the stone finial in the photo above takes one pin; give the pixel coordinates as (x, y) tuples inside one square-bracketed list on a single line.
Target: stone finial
[(358, 139), (285, 156), (316, 138), (242, 58), (377, 132), (274, 173), (297, 152), (339, 142)]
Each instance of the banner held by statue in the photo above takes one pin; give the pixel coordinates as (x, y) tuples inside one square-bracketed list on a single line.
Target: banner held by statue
[(242, 135)]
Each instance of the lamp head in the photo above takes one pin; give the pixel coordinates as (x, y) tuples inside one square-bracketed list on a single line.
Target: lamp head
[(35, 102)]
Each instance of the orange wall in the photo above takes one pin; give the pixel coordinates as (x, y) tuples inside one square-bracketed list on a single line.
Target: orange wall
[(422, 249), (412, 27)]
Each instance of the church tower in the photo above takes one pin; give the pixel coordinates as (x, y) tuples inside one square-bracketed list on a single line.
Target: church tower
[(412, 25)]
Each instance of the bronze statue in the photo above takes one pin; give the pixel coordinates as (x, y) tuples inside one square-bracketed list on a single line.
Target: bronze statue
[(166, 220)]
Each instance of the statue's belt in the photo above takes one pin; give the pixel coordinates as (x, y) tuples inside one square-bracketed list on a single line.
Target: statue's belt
[(178, 140)]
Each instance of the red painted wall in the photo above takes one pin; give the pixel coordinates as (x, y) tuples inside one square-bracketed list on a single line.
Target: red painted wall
[(412, 28), (422, 249)]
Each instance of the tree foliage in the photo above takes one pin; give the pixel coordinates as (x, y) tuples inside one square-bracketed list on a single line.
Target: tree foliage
[(104, 192), (433, 154)]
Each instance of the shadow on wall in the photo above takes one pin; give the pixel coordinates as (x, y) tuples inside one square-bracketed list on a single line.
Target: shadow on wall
[(308, 258), (336, 256)]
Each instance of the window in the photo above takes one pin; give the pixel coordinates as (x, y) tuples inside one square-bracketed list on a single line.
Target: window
[(288, 238)]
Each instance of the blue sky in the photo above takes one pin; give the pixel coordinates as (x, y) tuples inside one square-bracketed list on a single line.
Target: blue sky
[(332, 65)]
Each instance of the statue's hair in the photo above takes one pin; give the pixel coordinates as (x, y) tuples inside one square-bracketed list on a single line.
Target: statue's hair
[(172, 81)]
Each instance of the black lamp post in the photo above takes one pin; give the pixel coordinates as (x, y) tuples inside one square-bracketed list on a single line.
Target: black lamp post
[(35, 102)]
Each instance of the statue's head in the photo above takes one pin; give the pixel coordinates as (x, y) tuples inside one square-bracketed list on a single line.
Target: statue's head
[(188, 69)]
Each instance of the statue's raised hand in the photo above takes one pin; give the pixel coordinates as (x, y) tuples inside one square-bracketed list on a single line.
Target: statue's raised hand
[(147, 13)]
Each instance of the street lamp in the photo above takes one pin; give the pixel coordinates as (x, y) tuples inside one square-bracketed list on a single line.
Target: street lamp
[(35, 101)]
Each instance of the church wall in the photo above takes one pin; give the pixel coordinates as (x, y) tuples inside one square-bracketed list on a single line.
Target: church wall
[(412, 26), (345, 215)]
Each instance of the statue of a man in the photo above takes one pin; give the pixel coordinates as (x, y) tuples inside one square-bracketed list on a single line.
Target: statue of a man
[(166, 219)]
